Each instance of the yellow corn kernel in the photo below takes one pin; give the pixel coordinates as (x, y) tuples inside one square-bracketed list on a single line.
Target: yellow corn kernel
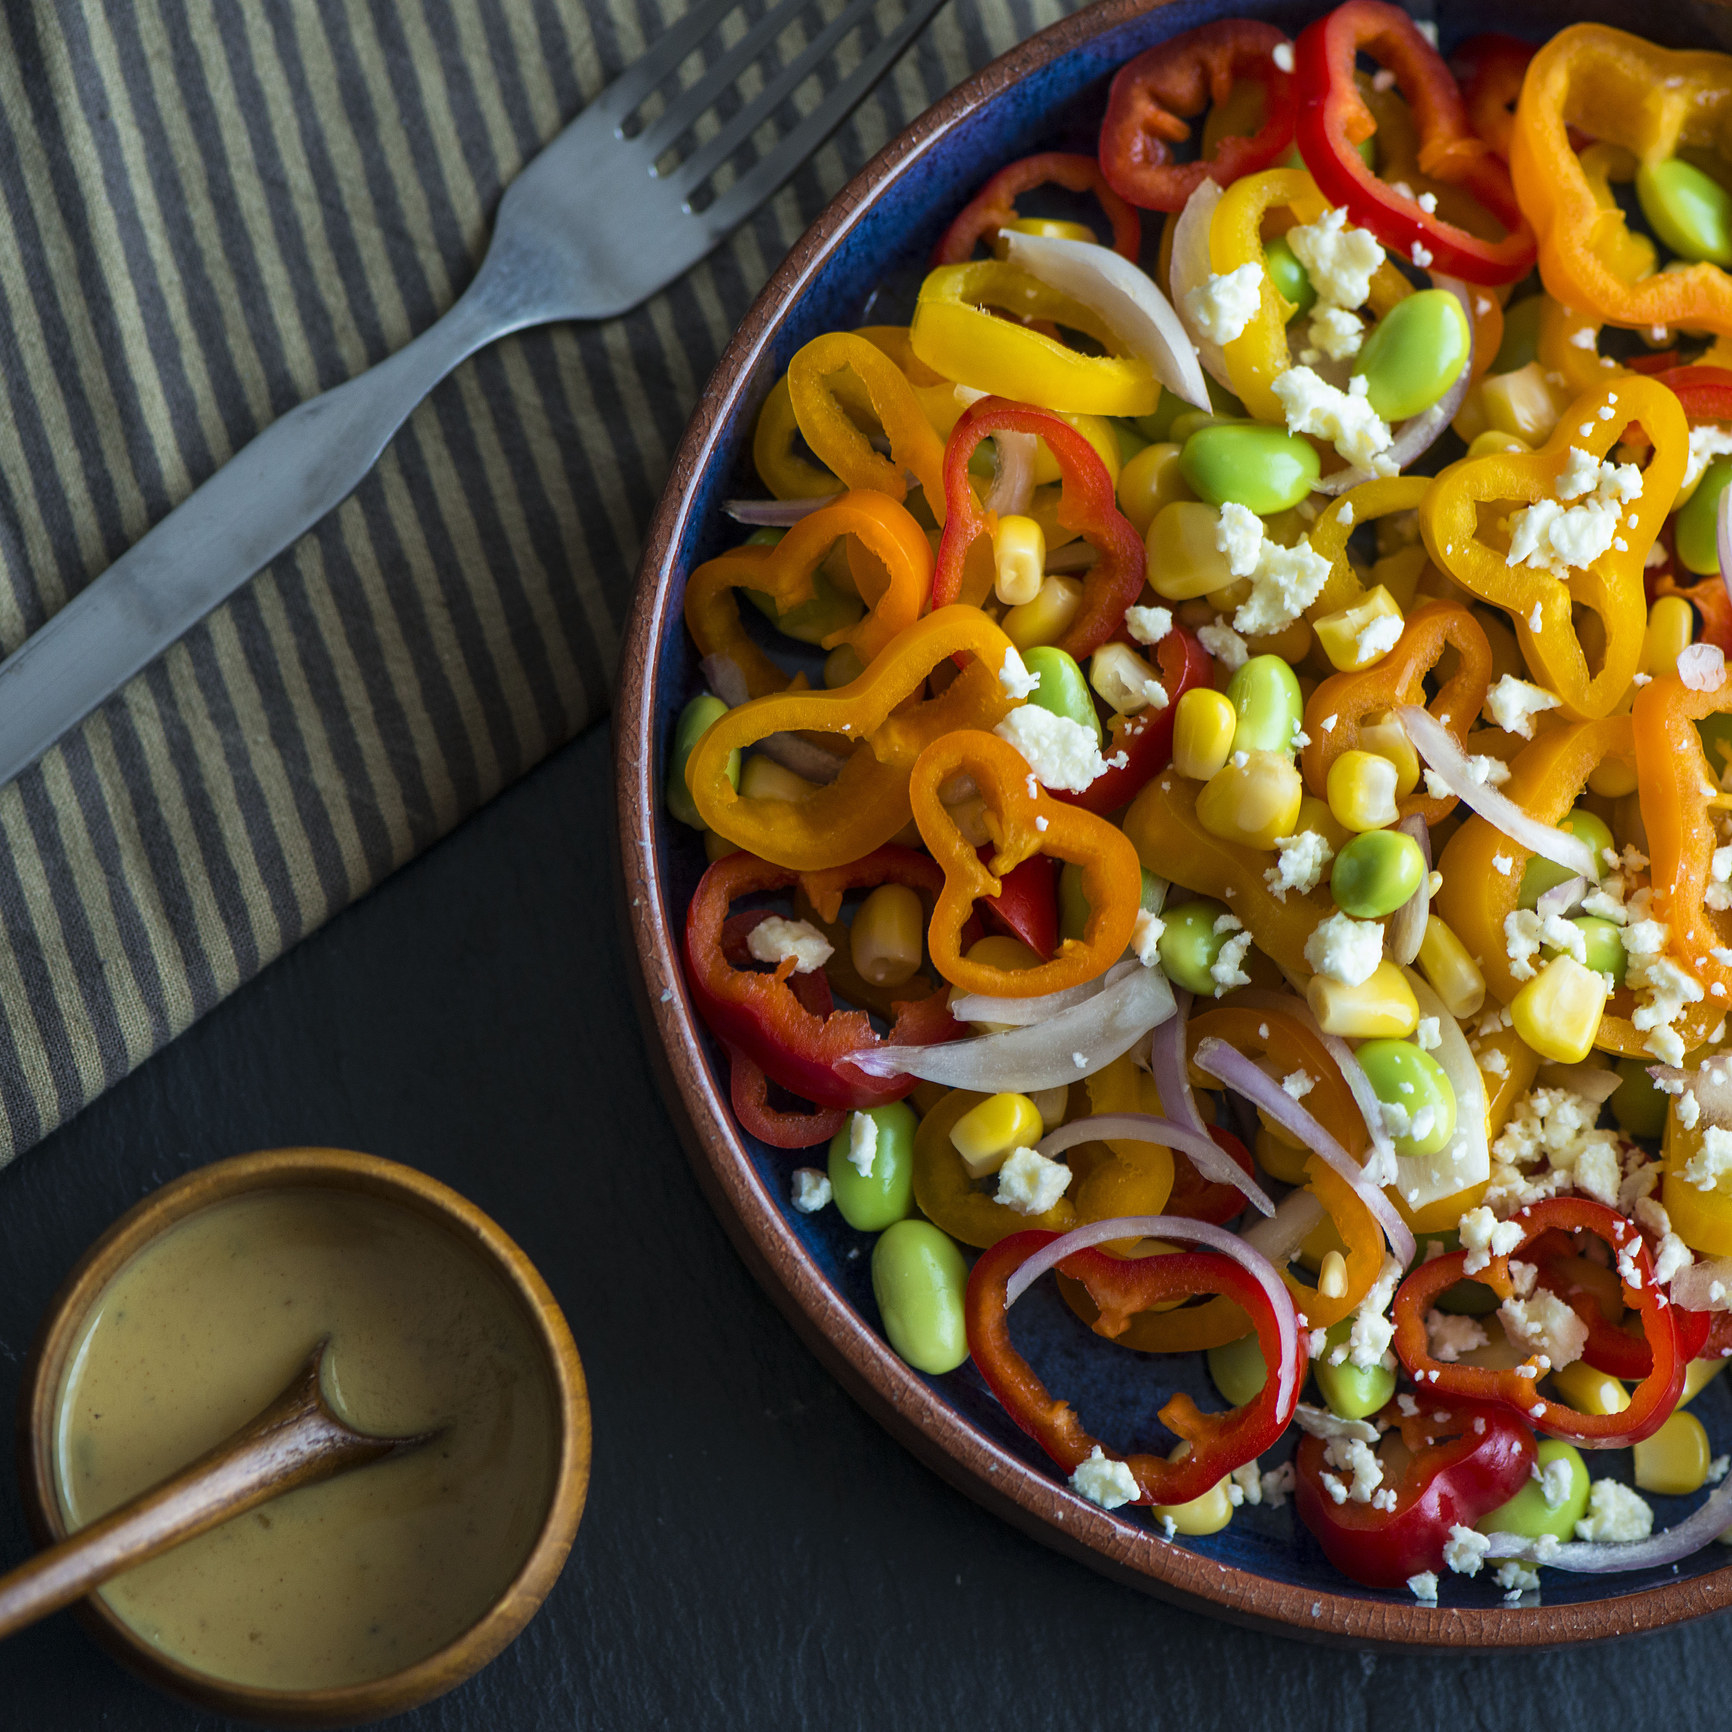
[(1492, 443), (1149, 483), (1671, 625), (1590, 1391), (1558, 1012), (1698, 1375), (1314, 814), (986, 1135), (1383, 734), (1612, 778), (762, 778), (1019, 551), (1674, 1461), (1453, 975), (1399, 573), (1332, 1276), (1381, 1006), (1359, 636), (1000, 951), (888, 935), (1047, 618), (1279, 1158), (1207, 1514), (842, 666), (1124, 679), (1325, 1237), (1361, 790), (1253, 803), (1183, 559), (1053, 226), (1521, 403), (1203, 726), (1053, 1105)]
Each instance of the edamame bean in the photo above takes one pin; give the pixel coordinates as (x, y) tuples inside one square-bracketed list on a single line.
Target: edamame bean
[(1637, 1105), (918, 1278), (1189, 944), (1349, 1391), (1690, 211), (1292, 281), (1130, 442), (872, 1200), (1411, 1081), (1695, 524), (696, 720), (1239, 1369), (1716, 732), (1465, 1298), (1521, 336), (1073, 904), (1265, 469), (1526, 1513), (1376, 873), (1541, 875), (1063, 688), (1414, 354), (1265, 694), (828, 611), (1604, 946)]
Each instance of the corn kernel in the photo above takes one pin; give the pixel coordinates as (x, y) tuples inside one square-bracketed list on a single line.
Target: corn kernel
[(1047, 618), (1671, 626), (1279, 1158), (1590, 1391), (986, 1135), (1203, 727), (1612, 778), (888, 935), (1019, 554), (1674, 1461), (1361, 789), (1698, 1374), (1314, 814), (1381, 1006), (1382, 733), (1149, 483), (1521, 403), (1492, 443), (762, 778), (1124, 679), (1453, 975), (1352, 638), (1183, 559), (1207, 1514), (1332, 1276), (1253, 803), (1323, 1239), (1558, 1012)]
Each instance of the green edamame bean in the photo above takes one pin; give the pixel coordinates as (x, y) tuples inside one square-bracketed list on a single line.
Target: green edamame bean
[(811, 621), (1526, 1513), (1239, 1369), (1698, 550), (1063, 688), (1292, 281), (1130, 441), (1716, 732), (1540, 875), (1265, 469), (871, 1201), (1521, 336), (696, 720), (1403, 1076), (1604, 945), (1637, 1105), (1350, 1391), (1158, 427), (1690, 211), (918, 1278), (1376, 872), (1189, 944), (1415, 354), (1265, 693), (1073, 903), (1465, 1298)]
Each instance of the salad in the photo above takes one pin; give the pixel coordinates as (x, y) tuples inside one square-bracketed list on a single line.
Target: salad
[(1216, 768)]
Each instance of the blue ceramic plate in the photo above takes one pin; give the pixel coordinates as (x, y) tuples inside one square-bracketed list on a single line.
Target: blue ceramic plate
[(861, 263)]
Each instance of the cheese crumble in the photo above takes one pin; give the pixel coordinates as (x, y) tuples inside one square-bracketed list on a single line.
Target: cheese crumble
[(777, 940)]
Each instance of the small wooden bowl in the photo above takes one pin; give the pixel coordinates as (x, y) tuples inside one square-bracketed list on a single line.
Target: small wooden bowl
[(338, 1170)]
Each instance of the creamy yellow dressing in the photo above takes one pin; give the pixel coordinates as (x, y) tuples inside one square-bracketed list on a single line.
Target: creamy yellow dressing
[(375, 1569)]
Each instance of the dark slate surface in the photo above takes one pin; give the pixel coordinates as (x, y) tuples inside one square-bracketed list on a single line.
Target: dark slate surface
[(756, 1552)]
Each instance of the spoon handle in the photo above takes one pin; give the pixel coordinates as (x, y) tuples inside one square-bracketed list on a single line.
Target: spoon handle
[(293, 1442)]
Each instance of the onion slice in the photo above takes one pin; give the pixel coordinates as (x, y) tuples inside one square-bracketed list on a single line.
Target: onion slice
[(1436, 745), (723, 676), (1587, 1080), (1466, 1158), (1013, 482), (1297, 1216), (777, 513), (1711, 1085), (1206, 1155), (1065, 1048), (1406, 929), (1167, 1066), (1603, 1557), (801, 756), (1024, 1012), (1189, 1232), (1190, 267), (1693, 1287), (1561, 898), (1243, 1077), (1125, 297)]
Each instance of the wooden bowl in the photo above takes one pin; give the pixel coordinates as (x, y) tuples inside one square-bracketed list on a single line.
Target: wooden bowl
[(857, 264), (338, 1170)]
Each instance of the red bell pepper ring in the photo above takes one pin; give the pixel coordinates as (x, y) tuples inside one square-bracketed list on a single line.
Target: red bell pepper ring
[(994, 206), (1704, 392), (1706, 395), (1155, 95), (1120, 1289), (1086, 505), (1467, 1460), (1211, 1200), (780, 1127), (1333, 120), (1026, 906), (761, 1015), (1653, 1399), (1491, 68)]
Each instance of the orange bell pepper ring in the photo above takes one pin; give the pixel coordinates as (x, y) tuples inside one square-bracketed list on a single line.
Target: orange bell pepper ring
[(1539, 590), (784, 572), (1023, 820), (1334, 527)]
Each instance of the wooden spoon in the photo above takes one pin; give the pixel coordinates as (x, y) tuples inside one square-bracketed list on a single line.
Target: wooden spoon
[(295, 1441)]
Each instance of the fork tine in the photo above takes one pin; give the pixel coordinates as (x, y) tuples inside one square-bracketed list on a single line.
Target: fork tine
[(777, 164), (656, 62)]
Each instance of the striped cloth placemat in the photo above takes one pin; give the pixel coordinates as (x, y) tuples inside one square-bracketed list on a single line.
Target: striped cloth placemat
[(209, 212)]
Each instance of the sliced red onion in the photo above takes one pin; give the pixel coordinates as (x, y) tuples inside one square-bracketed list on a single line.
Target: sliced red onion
[(1188, 1232), (1591, 1081), (1206, 1155), (1436, 745), (1190, 267), (1693, 1288), (1297, 1216), (1078, 555), (1013, 482), (1406, 929), (777, 513), (1562, 898), (1167, 1066), (1024, 1012), (1466, 1158), (801, 756), (1243, 1077), (1064, 1049), (722, 674), (1603, 1557)]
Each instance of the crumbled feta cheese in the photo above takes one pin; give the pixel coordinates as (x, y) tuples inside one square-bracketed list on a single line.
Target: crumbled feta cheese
[(776, 940), (1483, 1237), (1278, 1485), (1672, 1258), (1517, 1577), (1464, 1551), (1544, 1325), (1701, 666), (1105, 1481), (862, 1143), (1550, 536), (1282, 55), (1148, 624), (1448, 1336), (1505, 863), (1345, 949), (1248, 1479), (811, 1190), (1239, 535), (1707, 442), (1710, 1165), (1286, 582), (1367, 1344), (1224, 644), (1339, 259), (1378, 638), (1420, 254), (1423, 1587), (1298, 1084), (1062, 753), (1299, 862), (1555, 1480), (1345, 418), (1512, 705), (1146, 933), (1428, 1036), (1014, 676), (1523, 935), (1337, 332), (1615, 1514), (1029, 1183), (1223, 306), (1225, 970)]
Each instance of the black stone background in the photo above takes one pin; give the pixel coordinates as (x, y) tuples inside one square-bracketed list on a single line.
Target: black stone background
[(756, 1552)]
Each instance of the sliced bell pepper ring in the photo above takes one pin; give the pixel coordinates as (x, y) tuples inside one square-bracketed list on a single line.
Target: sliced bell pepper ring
[(761, 1016), (868, 802), (1333, 120), (1026, 906), (994, 206), (780, 466), (1652, 1400), (1087, 505), (1711, 602), (1023, 821), (1491, 68), (780, 1127), (894, 341), (1336, 523), (1465, 1460), (1612, 587), (1705, 393), (948, 1197), (1138, 1177), (1560, 348), (1154, 96), (1397, 680), (1121, 1288), (1650, 101), (1212, 1200)]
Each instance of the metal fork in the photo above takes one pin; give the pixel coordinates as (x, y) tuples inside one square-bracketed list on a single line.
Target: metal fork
[(588, 230)]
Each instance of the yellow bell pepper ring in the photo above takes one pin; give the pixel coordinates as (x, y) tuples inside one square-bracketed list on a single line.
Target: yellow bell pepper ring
[(780, 467)]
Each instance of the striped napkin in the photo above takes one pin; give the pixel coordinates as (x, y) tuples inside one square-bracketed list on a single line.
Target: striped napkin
[(210, 211)]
